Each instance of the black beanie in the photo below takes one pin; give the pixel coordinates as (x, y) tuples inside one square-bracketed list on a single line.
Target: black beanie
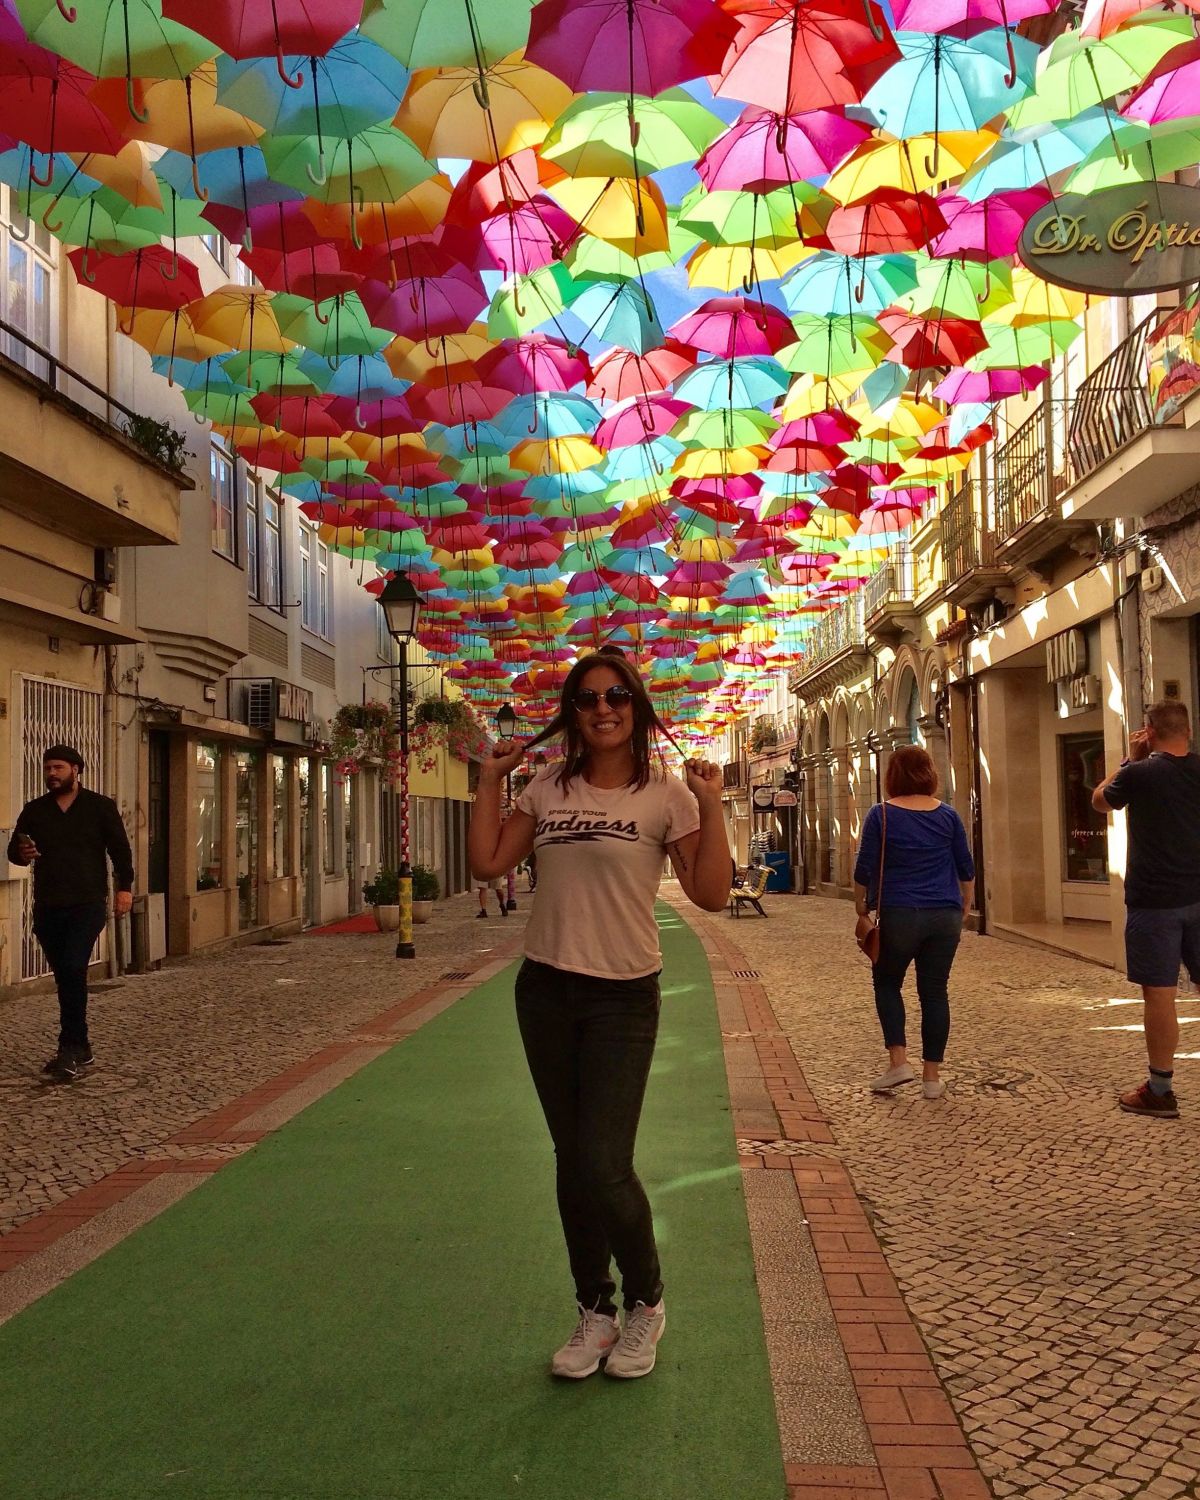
[(64, 752)]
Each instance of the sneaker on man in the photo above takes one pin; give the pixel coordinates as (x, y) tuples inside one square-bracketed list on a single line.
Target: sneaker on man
[(893, 1078), (1144, 1101), (637, 1348), (595, 1336), (64, 1064)]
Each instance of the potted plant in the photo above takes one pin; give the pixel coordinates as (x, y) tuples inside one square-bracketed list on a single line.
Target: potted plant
[(425, 891), (382, 895)]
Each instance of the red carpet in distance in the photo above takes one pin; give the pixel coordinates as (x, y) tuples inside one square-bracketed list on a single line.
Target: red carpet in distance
[(363, 922)]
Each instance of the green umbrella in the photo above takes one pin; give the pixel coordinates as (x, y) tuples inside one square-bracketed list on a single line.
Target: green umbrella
[(1012, 347), (625, 135), (769, 220), (95, 221), (378, 165), (835, 345), (281, 373), (593, 259), (1138, 153), (724, 428), (448, 33), (526, 302), (1081, 71), (226, 408), (959, 288), (332, 329)]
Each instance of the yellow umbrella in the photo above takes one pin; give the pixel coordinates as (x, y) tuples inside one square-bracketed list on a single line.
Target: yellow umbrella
[(706, 549), (450, 356), (442, 109), (419, 211), (327, 448), (734, 267), (242, 318), (177, 116), (127, 173), (905, 418), (1038, 301), (172, 334), (627, 212), (810, 394), (341, 536), (559, 455), (473, 559), (704, 463), (937, 470), (825, 525), (888, 163)]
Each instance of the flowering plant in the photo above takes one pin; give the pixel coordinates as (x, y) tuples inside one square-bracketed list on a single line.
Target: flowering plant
[(448, 722), (366, 734)]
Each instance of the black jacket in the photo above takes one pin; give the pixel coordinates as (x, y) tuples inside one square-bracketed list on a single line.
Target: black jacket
[(70, 868)]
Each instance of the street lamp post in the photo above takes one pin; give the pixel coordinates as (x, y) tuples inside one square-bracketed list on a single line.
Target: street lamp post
[(506, 727), (401, 606)]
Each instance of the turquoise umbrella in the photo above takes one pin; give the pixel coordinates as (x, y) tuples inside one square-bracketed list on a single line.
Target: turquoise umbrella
[(829, 283), (735, 382)]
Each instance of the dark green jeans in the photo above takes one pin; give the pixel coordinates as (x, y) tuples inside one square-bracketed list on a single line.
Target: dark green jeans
[(590, 1043)]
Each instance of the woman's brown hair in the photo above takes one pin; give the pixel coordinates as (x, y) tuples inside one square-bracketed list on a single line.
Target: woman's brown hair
[(911, 773), (647, 725)]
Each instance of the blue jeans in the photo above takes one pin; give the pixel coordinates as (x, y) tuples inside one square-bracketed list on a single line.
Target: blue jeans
[(929, 937), (589, 1043), (67, 935)]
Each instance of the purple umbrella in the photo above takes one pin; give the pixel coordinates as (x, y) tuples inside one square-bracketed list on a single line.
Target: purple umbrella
[(628, 46), (989, 385), (762, 150), (988, 230), (945, 15), (1171, 90), (527, 237), (424, 307)]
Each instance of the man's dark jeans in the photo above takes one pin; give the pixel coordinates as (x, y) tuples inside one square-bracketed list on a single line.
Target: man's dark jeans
[(930, 936), (590, 1043), (67, 935)]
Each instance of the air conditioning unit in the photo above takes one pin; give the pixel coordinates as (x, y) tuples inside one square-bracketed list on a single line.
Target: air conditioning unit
[(260, 704)]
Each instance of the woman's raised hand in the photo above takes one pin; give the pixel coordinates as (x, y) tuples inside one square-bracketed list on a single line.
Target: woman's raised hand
[(704, 778), (506, 756)]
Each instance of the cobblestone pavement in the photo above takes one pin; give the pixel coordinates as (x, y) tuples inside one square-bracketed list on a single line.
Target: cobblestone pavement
[(173, 1045), (1046, 1243)]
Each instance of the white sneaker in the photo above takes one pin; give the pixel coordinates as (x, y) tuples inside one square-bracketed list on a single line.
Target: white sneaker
[(893, 1078), (933, 1088), (638, 1346), (595, 1335)]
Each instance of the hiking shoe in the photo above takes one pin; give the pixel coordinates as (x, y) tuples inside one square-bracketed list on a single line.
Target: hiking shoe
[(932, 1088), (637, 1348), (64, 1064), (595, 1335), (893, 1078), (1144, 1101), (480, 915)]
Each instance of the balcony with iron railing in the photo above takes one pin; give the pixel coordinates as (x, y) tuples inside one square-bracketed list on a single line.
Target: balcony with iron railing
[(1130, 444), (834, 651), (887, 596), (74, 458), (1032, 471), (969, 547)]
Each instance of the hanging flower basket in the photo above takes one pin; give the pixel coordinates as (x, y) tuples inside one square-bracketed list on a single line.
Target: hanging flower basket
[(449, 724), (366, 734)]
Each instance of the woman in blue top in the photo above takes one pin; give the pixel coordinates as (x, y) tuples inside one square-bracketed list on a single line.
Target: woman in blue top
[(928, 882)]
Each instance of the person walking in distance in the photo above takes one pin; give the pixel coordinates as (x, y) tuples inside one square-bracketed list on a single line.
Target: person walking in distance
[(587, 994), (1159, 786), (66, 836), (928, 883)]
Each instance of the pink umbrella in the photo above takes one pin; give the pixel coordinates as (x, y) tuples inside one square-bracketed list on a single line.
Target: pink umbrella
[(457, 403), (317, 273), (988, 230), (620, 374), (523, 239), (628, 46), (947, 15), (764, 151), (1171, 90), (535, 362), (733, 326), (426, 306), (635, 421), (989, 385), (387, 418)]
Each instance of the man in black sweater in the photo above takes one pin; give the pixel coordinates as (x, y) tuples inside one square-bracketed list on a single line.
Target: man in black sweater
[(66, 836)]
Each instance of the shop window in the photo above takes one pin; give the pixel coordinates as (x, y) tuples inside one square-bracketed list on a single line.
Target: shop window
[(279, 817), (1085, 831), (208, 817), (249, 763)]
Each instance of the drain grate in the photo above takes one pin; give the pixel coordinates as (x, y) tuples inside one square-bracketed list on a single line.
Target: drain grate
[(457, 974), (746, 974)]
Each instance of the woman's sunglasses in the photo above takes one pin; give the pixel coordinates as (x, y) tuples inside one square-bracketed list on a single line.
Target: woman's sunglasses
[(615, 697)]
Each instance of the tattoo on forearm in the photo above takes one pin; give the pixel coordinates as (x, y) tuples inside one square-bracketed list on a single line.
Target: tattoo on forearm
[(681, 859)]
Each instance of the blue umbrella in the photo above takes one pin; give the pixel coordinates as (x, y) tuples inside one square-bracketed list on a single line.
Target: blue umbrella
[(828, 283), (733, 382), (620, 313), (1024, 158), (548, 414)]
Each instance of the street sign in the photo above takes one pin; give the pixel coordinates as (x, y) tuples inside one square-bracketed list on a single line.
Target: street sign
[(763, 797), (1140, 237), (785, 798)]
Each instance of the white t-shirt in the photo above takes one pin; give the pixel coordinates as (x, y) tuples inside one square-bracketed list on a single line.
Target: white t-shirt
[(600, 855)]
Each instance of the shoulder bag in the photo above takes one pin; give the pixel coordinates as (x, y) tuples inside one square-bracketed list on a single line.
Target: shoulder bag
[(867, 931)]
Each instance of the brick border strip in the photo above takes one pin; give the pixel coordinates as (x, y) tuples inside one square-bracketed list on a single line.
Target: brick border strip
[(220, 1129), (920, 1448)]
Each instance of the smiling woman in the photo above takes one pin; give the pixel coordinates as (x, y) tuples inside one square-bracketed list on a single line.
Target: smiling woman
[(601, 825)]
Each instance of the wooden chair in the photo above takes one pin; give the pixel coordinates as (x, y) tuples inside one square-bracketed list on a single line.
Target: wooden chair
[(750, 891)]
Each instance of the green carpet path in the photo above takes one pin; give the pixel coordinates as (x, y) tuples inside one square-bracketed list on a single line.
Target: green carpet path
[(363, 1307)]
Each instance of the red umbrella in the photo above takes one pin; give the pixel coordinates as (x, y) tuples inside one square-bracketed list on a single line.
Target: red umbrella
[(268, 28), (730, 327), (386, 418), (628, 46), (889, 220), (140, 278), (794, 55), (454, 404), (924, 340), (483, 190), (298, 416), (620, 374), (45, 102), (316, 273)]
